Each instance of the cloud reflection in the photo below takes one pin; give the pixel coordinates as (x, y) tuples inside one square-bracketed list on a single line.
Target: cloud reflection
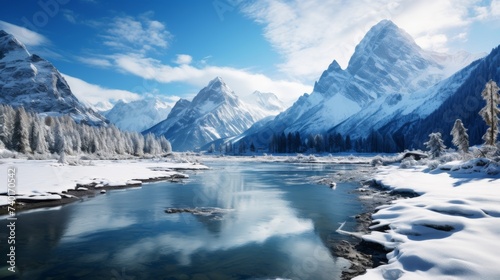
[(259, 214)]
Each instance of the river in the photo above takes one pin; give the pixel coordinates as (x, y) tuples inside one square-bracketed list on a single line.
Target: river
[(264, 221)]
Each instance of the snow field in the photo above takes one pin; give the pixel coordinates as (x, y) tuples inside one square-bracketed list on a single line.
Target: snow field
[(450, 231), (35, 179)]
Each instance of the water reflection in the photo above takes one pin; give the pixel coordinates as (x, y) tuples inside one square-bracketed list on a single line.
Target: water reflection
[(277, 225), (258, 213)]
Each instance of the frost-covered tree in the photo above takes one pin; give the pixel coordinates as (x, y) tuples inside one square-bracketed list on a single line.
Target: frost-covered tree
[(7, 115), (38, 142), (59, 140), (151, 145), (165, 145), (62, 158), (435, 144), (138, 143), (460, 136), (20, 137), (490, 112)]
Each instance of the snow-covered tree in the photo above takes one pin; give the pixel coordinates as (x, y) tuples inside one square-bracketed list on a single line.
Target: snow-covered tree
[(435, 144), (20, 137), (151, 145), (460, 136), (59, 139), (62, 158), (37, 136), (165, 145), (7, 115), (490, 112), (138, 143)]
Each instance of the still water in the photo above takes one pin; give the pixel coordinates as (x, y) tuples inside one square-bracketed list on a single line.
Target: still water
[(270, 222)]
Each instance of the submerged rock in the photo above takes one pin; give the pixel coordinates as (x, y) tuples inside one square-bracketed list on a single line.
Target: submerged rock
[(206, 211)]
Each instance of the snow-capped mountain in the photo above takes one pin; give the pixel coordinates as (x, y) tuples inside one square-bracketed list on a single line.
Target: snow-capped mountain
[(31, 81), (215, 112), (138, 115), (386, 67), (268, 102), (463, 103)]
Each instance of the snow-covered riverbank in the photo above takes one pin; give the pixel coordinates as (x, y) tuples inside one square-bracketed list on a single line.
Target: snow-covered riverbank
[(43, 179), (449, 231)]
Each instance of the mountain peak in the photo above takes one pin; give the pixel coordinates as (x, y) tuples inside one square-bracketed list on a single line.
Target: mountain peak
[(215, 93), (217, 82), (385, 24), (385, 40), (11, 47)]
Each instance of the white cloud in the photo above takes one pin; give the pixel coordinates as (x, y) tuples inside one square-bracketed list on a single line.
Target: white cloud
[(495, 8), (141, 34), (310, 34), (26, 36), (241, 81), (132, 39), (99, 62), (183, 59), (98, 97)]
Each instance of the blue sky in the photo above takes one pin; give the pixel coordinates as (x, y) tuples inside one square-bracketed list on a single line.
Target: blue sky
[(110, 50)]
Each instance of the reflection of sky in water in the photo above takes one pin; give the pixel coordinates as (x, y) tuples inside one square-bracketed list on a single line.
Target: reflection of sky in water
[(257, 216), (276, 226)]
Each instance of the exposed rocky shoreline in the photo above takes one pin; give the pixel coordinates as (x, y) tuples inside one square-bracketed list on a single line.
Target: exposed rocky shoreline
[(364, 255)]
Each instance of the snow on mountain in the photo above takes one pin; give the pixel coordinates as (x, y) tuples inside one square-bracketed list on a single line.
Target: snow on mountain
[(464, 103), (401, 109), (215, 112), (386, 67), (267, 102), (138, 115), (31, 81)]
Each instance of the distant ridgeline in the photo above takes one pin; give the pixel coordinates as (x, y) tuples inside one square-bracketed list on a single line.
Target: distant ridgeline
[(30, 133)]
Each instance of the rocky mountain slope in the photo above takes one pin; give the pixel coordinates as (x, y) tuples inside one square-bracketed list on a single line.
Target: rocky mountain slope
[(216, 112), (31, 81)]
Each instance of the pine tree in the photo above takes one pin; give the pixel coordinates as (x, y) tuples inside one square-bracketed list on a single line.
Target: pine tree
[(138, 144), (297, 142), (211, 148), (166, 146), (151, 146), (7, 116), (460, 136), (59, 139), (318, 143), (20, 137), (490, 112), (435, 144), (37, 139), (348, 143)]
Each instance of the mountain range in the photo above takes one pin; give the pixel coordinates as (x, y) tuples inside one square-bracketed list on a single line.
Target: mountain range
[(392, 91)]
